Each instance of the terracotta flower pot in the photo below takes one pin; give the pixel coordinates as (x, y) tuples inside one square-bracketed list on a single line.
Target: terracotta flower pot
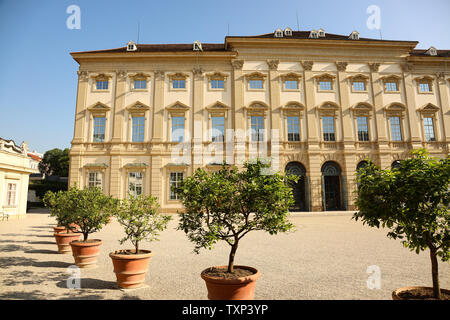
[(63, 241), (242, 288), (396, 295), (86, 253), (59, 229), (130, 269)]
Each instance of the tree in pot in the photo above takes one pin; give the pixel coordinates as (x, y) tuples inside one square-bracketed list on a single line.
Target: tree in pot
[(141, 220), (226, 205), (412, 200), (57, 202), (91, 210)]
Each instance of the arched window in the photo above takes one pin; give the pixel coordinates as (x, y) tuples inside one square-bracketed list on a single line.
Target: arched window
[(395, 164)]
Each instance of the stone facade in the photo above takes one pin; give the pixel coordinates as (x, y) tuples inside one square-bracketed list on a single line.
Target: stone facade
[(289, 70)]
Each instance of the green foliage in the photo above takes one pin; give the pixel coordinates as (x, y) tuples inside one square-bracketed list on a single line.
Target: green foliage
[(141, 220), (412, 201), (91, 208), (42, 186), (227, 204), (55, 162), (58, 202)]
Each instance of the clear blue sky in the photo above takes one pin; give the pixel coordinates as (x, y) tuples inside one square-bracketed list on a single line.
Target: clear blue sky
[(38, 81)]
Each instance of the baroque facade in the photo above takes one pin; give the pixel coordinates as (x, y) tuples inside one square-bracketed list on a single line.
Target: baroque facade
[(15, 169), (316, 104)]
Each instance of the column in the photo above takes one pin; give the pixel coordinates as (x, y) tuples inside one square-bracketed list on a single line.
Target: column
[(197, 124), (273, 147), (413, 119), (238, 110)]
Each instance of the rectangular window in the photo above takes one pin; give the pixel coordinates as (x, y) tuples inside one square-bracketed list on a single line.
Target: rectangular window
[(218, 129), (325, 85), (135, 183), (363, 129), (140, 84), (391, 86), (424, 87), (429, 129), (359, 86), (396, 132), (99, 129), (11, 194), (293, 128), (179, 84), (217, 84), (256, 84), (95, 180), (102, 84), (138, 129), (257, 128), (175, 179), (177, 129), (291, 84), (328, 129)]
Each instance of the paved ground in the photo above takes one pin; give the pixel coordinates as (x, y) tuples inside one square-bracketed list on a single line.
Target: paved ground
[(327, 258)]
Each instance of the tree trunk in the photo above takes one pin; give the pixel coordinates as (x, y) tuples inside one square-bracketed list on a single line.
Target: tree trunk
[(435, 274), (137, 247), (231, 259), (85, 236)]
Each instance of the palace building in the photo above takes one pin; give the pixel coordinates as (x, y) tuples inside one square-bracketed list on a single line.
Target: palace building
[(315, 104)]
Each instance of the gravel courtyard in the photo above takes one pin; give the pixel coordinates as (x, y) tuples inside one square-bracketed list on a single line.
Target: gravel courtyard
[(326, 258)]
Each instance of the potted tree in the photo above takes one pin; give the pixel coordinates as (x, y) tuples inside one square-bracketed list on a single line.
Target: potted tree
[(412, 201), (63, 232), (91, 210), (226, 205), (141, 220)]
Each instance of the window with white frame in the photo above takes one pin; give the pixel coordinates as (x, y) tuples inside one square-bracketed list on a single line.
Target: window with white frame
[(257, 128), (217, 83), (428, 127), (396, 130), (328, 128), (177, 129), (140, 84), (138, 125), (293, 128), (391, 86), (178, 83), (95, 179), (101, 84), (363, 128), (290, 84), (99, 129), (175, 179), (424, 87), (359, 86), (325, 85), (11, 194), (135, 183), (218, 128), (255, 84)]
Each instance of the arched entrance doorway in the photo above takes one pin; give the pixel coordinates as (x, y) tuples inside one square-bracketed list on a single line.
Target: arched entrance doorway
[(299, 187), (331, 186)]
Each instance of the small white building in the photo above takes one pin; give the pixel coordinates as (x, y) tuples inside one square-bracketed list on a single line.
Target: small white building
[(15, 169)]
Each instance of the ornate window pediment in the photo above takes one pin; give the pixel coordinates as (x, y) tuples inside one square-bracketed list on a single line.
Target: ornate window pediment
[(428, 110), (99, 107), (328, 108), (325, 82), (395, 109), (101, 76), (137, 107), (178, 76), (293, 108), (291, 76), (256, 76), (359, 82), (100, 82), (362, 109), (218, 108), (257, 108), (217, 75), (177, 107)]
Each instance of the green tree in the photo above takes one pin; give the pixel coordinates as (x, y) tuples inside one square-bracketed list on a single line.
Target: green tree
[(413, 202), (90, 209), (55, 162), (141, 219), (58, 202), (228, 204)]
